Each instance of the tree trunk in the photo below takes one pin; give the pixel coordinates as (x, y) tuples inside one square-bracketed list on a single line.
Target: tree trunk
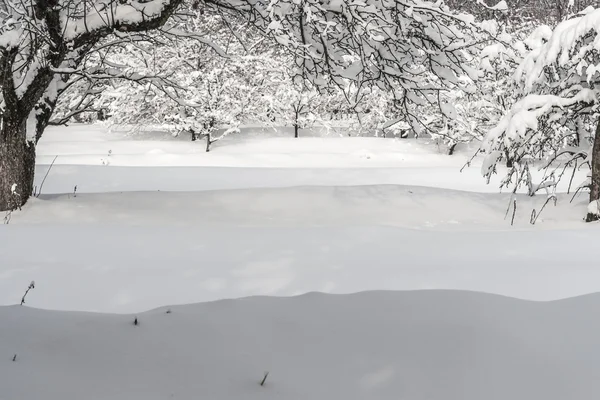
[(452, 148), (17, 167), (595, 185), (578, 130), (509, 161), (296, 135), (208, 142)]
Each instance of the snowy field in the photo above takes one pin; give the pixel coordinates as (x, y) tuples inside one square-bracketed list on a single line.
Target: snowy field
[(156, 222), (380, 345), (162, 222)]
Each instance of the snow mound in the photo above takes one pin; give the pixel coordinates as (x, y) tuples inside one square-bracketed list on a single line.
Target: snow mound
[(435, 345), (373, 205)]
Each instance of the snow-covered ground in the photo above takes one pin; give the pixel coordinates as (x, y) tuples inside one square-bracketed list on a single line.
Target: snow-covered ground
[(156, 222), (135, 238), (259, 147), (256, 158), (432, 345), (126, 252), (156, 161)]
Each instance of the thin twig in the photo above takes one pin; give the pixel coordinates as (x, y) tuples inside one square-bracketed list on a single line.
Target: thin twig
[(45, 176), (512, 221), (577, 192), (507, 210), (262, 383), (31, 286), (542, 209), (572, 176)]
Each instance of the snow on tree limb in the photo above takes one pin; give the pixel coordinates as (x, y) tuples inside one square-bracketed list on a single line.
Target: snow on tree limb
[(571, 45), (521, 124), (500, 6), (391, 44), (412, 49), (121, 16), (556, 120)]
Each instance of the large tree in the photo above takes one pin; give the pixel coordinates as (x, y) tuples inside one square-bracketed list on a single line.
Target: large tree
[(42, 44), (389, 43)]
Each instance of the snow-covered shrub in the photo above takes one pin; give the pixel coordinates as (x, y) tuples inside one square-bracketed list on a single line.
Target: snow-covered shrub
[(554, 119)]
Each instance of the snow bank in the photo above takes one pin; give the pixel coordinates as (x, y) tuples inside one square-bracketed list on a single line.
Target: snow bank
[(131, 251), (434, 345), (410, 207)]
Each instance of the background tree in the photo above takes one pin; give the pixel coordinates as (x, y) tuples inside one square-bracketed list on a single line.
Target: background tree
[(210, 91), (387, 44)]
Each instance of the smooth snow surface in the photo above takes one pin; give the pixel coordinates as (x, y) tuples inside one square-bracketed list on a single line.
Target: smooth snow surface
[(126, 252), (255, 147), (431, 345), (98, 161), (282, 231)]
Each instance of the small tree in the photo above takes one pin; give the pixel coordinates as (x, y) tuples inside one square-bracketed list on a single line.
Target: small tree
[(292, 104)]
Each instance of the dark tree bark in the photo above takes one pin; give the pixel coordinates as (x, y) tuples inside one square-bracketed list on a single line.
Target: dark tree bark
[(451, 149), (208, 142), (208, 127), (296, 133), (595, 184), (509, 161), (17, 167)]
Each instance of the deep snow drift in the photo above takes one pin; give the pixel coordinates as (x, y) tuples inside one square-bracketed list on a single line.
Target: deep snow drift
[(432, 345)]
